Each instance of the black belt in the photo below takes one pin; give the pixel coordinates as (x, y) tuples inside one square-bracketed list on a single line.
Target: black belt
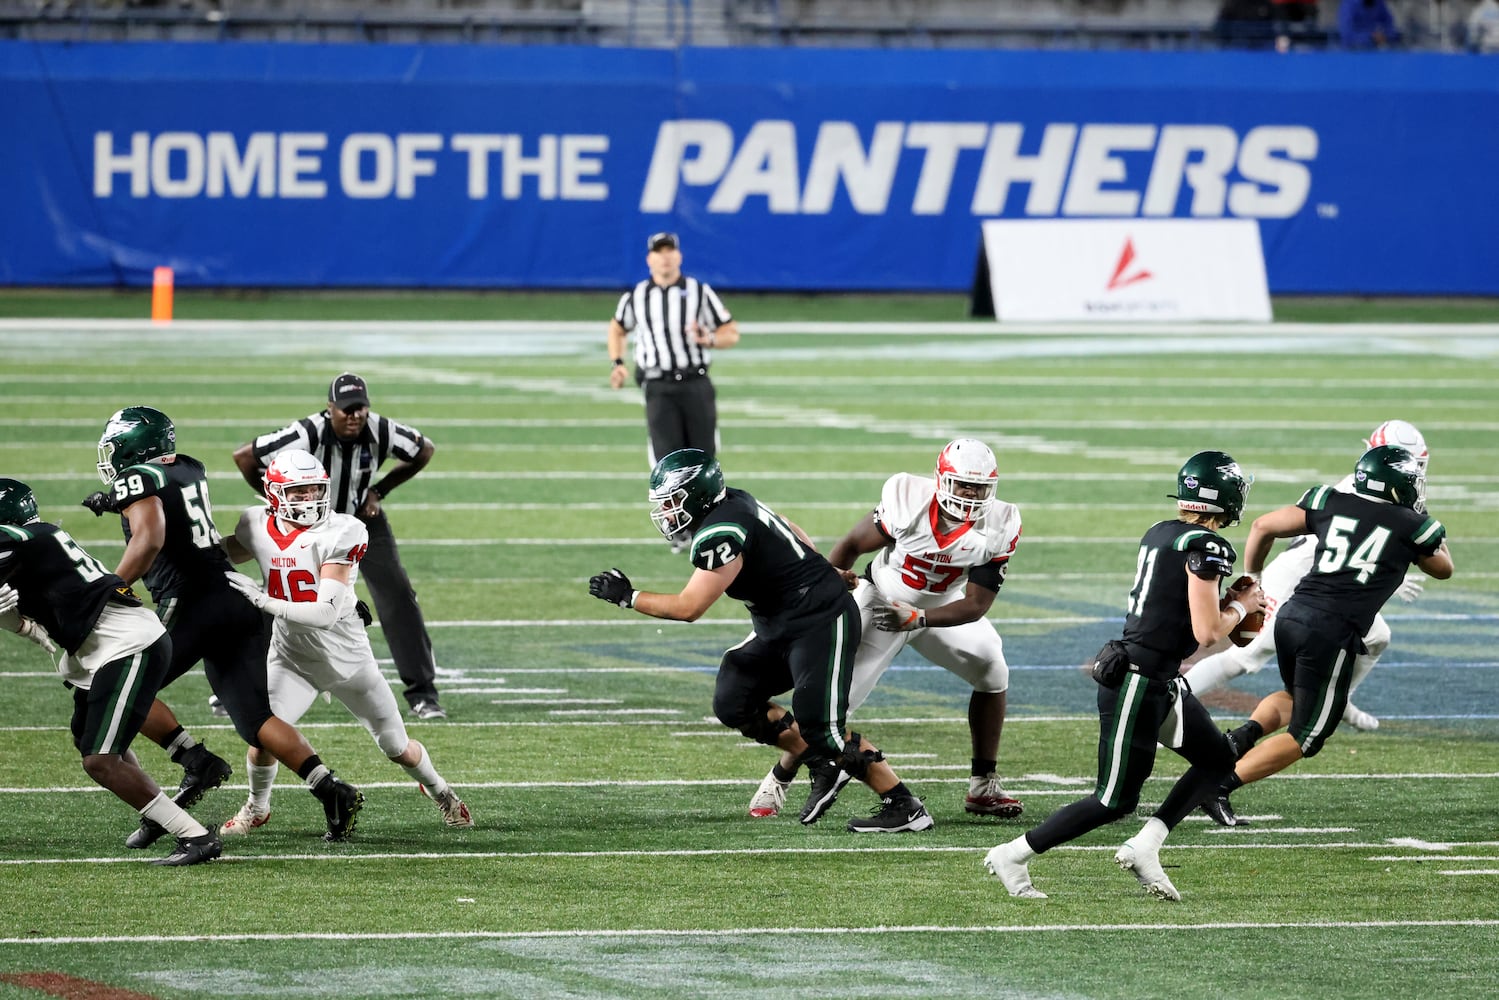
[(672, 374)]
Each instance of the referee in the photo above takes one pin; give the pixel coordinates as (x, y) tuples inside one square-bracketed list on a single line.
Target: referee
[(678, 321), (353, 442)]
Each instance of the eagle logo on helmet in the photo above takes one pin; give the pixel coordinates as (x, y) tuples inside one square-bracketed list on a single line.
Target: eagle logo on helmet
[(685, 486), (17, 503), (1392, 474), (1211, 482), (134, 436), (287, 479)]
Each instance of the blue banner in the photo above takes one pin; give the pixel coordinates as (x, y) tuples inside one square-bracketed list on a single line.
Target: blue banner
[(486, 166)]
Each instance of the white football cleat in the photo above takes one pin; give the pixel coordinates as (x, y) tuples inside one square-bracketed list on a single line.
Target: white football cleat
[(1145, 865), (1359, 719), (242, 822), (986, 797), (1015, 875), (454, 812), (769, 797)]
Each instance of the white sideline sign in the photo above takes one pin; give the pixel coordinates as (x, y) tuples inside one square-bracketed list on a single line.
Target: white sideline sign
[(1044, 270)]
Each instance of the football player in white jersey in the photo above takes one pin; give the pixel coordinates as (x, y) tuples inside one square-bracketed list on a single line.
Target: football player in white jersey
[(1279, 581), (309, 559), (942, 545)]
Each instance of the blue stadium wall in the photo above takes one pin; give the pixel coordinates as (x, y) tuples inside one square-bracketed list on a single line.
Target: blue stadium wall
[(470, 167)]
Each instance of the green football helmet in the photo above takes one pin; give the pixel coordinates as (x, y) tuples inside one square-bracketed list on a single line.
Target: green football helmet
[(685, 486), (1212, 483), (1392, 474), (134, 435), (17, 503)]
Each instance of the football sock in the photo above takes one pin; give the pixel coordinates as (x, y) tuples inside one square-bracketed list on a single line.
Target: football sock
[(983, 768), (172, 817), (179, 741), (900, 791), (1152, 835), (1021, 850), (261, 780), (781, 774), (1230, 783), (312, 773), (424, 772)]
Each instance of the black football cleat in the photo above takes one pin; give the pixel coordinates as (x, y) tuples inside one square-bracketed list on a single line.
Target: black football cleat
[(341, 805), (827, 781), (894, 815), (1221, 812), (193, 851), (143, 836), (202, 771)]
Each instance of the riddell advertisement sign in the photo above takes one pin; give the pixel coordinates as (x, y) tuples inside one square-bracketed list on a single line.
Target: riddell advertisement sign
[(1142, 270)]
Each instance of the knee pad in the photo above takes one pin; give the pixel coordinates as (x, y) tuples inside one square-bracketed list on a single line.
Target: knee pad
[(756, 724), (762, 730), (856, 762)]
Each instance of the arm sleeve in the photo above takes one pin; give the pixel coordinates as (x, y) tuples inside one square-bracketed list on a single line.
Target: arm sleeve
[(314, 614)]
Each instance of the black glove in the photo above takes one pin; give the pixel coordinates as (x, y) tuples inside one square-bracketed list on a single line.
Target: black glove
[(614, 587), (101, 503), (363, 611)]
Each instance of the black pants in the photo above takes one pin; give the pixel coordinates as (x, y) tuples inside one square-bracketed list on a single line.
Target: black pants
[(681, 415), (231, 638), (400, 616), (1129, 722), (110, 714), (1316, 666), (816, 666)]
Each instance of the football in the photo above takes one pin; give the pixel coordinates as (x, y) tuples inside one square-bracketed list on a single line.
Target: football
[(1243, 633)]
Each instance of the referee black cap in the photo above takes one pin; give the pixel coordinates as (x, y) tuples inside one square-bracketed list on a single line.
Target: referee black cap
[(348, 392), (659, 240)]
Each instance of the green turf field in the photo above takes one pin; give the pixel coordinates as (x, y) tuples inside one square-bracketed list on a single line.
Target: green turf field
[(613, 856)]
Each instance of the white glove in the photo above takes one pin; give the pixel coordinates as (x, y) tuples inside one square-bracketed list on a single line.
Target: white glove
[(249, 588), (1410, 588), (8, 598), (31, 630), (897, 616)]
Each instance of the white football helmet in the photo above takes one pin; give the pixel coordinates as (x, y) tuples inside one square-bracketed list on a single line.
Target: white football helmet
[(971, 463), (292, 469), (1398, 432)]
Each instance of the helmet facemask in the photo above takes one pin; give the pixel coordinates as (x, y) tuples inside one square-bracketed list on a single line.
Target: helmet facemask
[(132, 436), (968, 464), (685, 486), (670, 514), (294, 471)]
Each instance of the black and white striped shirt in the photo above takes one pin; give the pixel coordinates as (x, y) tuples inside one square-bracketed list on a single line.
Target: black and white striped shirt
[(350, 464), (661, 314)]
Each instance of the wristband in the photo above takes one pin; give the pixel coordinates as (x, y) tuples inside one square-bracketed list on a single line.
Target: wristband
[(1236, 606), (921, 620), (633, 595), (619, 362)]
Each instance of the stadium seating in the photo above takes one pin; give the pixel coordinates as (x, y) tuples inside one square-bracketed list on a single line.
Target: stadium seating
[(1136, 24)]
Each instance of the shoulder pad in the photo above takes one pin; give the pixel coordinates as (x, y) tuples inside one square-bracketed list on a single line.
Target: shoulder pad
[(1428, 536), (718, 544), (1315, 498), (349, 533), (903, 498)]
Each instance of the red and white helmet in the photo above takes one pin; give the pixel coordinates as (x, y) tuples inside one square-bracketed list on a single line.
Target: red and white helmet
[(292, 469), (1398, 432), (968, 462)]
